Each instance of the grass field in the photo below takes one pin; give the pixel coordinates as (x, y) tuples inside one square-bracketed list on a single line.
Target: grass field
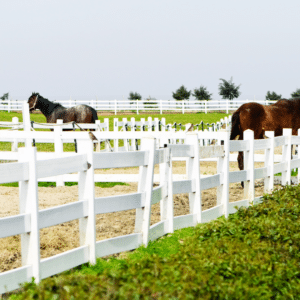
[(254, 254), (195, 118)]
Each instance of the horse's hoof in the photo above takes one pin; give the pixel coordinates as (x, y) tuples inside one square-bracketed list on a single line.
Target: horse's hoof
[(242, 184)]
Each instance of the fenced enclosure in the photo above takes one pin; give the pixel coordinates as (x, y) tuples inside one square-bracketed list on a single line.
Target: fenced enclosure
[(137, 106), (149, 125), (28, 170)]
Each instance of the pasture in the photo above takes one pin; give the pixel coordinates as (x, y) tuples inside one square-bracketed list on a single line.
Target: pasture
[(170, 119)]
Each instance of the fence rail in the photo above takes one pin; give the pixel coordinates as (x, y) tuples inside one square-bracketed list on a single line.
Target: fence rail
[(33, 167), (28, 170), (137, 106)]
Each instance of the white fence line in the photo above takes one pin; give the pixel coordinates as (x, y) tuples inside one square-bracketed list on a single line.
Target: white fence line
[(144, 105), (28, 170), (124, 125)]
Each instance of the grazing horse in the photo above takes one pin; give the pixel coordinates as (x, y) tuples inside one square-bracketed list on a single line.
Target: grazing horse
[(260, 118), (54, 111)]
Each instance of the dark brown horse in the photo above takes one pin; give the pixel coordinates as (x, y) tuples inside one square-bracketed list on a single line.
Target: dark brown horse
[(54, 111), (260, 118)]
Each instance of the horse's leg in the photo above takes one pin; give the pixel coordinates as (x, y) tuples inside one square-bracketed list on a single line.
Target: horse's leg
[(240, 160)]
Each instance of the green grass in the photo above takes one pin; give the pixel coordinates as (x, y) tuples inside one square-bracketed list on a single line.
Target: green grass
[(53, 184), (254, 254), (195, 118), (293, 173)]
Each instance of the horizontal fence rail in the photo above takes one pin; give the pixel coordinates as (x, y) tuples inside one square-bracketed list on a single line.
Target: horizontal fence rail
[(29, 169), (118, 106)]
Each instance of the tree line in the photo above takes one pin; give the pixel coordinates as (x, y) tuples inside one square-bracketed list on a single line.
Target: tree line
[(227, 90)]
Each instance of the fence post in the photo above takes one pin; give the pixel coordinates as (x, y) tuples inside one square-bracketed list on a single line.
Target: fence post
[(26, 124), (163, 140), (223, 170), (115, 106), (98, 124), (28, 191), (161, 109), (86, 192), (58, 148), (226, 106), (286, 156), (137, 107), (269, 164), (132, 124), (166, 204), (156, 129), (193, 172), (182, 106), (125, 141), (116, 129), (14, 144), (149, 124), (145, 186), (106, 128), (249, 191)]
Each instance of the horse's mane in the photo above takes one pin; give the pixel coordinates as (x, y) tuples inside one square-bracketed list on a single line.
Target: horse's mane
[(55, 105)]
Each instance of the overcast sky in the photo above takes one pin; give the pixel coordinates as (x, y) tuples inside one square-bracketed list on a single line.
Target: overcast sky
[(105, 49)]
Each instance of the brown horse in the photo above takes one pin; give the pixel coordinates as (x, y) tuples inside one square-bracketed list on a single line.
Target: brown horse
[(260, 118), (54, 111)]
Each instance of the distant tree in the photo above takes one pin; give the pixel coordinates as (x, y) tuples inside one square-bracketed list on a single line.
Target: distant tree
[(5, 96), (182, 93), (134, 96), (202, 93), (228, 90), (273, 96), (296, 94)]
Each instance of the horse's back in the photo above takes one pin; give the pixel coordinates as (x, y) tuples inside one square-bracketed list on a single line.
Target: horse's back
[(260, 118), (85, 114)]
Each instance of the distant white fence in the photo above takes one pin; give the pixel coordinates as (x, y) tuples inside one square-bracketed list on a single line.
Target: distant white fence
[(28, 170), (149, 125), (161, 106)]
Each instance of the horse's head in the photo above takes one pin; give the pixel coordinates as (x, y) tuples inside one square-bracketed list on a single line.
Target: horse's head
[(32, 101)]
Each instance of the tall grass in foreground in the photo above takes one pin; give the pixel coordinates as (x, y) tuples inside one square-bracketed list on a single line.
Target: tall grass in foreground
[(254, 254)]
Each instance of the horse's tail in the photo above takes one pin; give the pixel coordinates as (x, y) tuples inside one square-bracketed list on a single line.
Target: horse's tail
[(235, 125)]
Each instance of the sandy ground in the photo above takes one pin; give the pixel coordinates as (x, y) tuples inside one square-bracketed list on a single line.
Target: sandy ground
[(63, 237)]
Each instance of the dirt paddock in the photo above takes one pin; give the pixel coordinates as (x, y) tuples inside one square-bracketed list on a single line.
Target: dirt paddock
[(63, 237)]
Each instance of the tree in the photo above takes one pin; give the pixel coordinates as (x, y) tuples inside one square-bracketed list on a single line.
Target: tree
[(134, 96), (182, 93), (296, 94), (202, 93), (272, 96), (228, 90), (5, 96)]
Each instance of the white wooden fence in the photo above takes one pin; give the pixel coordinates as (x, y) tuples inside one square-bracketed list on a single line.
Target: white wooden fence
[(150, 124), (28, 170), (119, 106)]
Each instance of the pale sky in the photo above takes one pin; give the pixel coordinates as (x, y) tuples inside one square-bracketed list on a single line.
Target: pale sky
[(105, 49)]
